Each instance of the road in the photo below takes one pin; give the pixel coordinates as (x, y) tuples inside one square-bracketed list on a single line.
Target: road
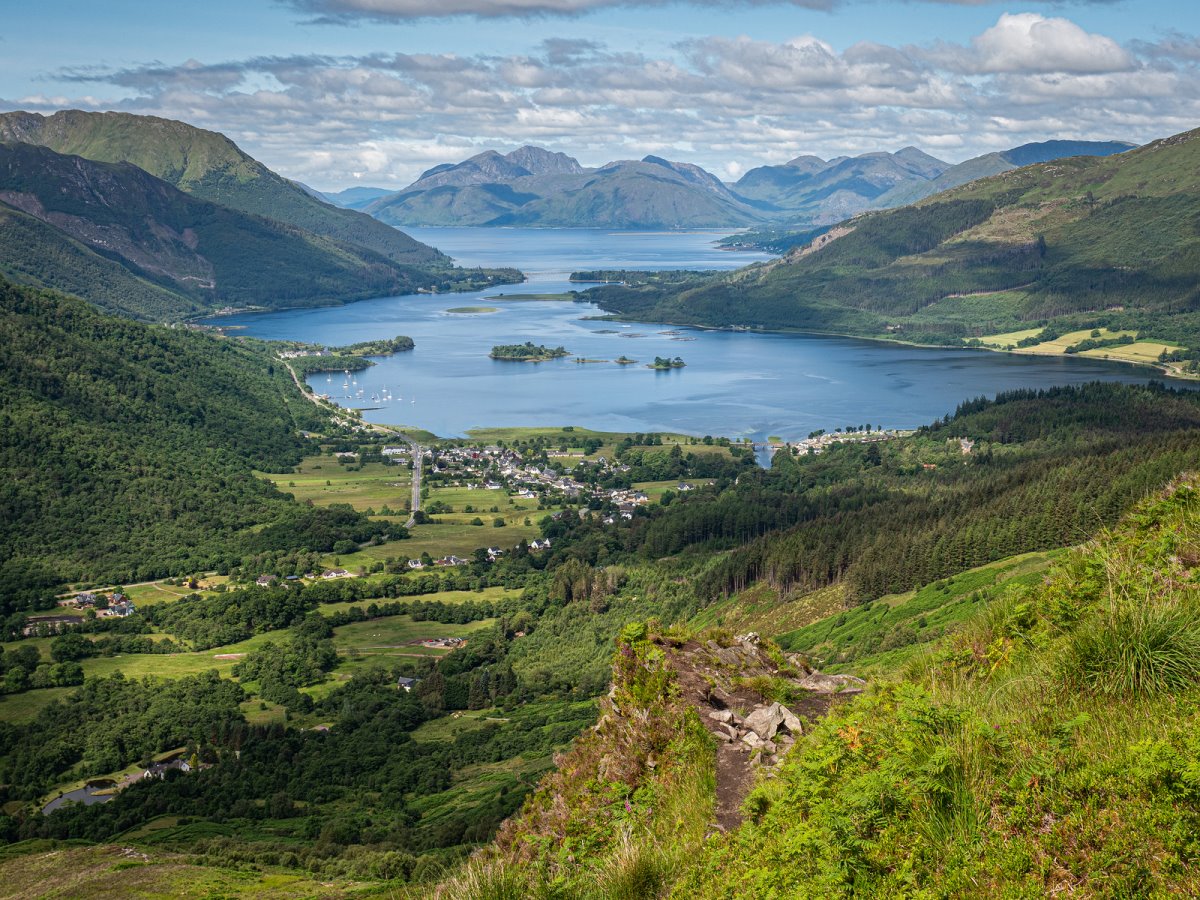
[(418, 452)]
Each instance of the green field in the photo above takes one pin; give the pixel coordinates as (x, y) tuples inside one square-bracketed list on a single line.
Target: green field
[(323, 480), (47, 869), (655, 489), (442, 540), (18, 708), (489, 593), (394, 636), (1145, 352), (358, 644), (509, 435)]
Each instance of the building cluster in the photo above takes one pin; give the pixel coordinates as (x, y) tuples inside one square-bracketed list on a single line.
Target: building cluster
[(115, 604), (819, 442), (296, 354)]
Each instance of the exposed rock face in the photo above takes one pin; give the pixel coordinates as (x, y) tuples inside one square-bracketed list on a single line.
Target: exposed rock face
[(752, 732), (833, 684)]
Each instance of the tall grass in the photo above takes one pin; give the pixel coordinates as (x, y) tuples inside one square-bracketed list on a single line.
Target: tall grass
[(1135, 651)]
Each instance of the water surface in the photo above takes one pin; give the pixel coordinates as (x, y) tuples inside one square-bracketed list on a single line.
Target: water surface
[(735, 384)]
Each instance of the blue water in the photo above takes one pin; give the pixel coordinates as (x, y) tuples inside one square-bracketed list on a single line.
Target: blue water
[(736, 384)]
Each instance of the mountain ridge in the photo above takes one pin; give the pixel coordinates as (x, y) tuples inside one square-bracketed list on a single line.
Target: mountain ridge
[(209, 166), (191, 255)]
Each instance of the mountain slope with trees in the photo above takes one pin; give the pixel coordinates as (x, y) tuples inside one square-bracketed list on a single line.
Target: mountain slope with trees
[(1047, 746), (211, 167), (1085, 242), (179, 255), (128, 450)]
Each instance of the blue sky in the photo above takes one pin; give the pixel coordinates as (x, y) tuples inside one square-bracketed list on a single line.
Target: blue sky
[(344, 92)]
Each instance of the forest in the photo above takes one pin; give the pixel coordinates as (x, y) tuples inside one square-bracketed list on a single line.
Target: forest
[(128, 450)]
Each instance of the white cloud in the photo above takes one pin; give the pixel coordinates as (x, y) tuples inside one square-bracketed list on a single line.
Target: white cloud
[(1028, 42), (720, 102)]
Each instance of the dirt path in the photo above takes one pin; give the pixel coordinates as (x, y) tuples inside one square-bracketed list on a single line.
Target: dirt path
[(712, 679)]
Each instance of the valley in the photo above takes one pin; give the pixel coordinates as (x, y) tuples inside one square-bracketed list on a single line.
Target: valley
[(576, 522)]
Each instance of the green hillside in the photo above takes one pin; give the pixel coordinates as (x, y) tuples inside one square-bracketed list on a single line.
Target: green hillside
[(1048, 745), (180, 255), (994, 164), (33, 252), (211, 167), (1084, 242), (882, 554), (127, 450)]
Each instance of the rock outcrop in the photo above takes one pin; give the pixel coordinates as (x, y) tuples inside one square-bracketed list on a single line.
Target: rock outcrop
[(724, 682)]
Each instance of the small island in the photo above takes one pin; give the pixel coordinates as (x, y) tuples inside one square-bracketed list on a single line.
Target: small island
[(527, 352), (665, 362), (308, 359), (624, 360)]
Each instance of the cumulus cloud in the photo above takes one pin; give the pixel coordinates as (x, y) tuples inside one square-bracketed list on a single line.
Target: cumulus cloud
[(726, 103), (1028, 42)]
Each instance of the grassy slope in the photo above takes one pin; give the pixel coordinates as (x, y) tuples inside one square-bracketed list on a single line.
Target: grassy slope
[(1047, 746), (51, 869), (1120, 249), (211, 167)]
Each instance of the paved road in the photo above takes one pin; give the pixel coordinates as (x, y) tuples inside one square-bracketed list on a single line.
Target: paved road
[(416, 449)]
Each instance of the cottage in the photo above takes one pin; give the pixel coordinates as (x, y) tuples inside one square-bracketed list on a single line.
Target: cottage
[(415, 564), (335, 573), (443, 642), (405, 683), (684, 487), (121, 609), (265, 580)]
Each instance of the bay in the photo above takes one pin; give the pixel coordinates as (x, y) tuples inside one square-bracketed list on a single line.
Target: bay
[(735, 384)]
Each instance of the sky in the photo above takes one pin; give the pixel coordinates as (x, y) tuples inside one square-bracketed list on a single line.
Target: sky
[(339, 93)]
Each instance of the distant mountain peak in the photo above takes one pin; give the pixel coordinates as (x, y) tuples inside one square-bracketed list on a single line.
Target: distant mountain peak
[(540, 161)]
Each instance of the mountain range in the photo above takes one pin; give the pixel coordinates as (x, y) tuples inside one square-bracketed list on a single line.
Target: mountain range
[(532, 186), (159, 220), (1081, 242)]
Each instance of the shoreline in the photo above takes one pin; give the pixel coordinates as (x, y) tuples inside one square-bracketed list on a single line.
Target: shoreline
[(229, 312), (1165, 370)]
